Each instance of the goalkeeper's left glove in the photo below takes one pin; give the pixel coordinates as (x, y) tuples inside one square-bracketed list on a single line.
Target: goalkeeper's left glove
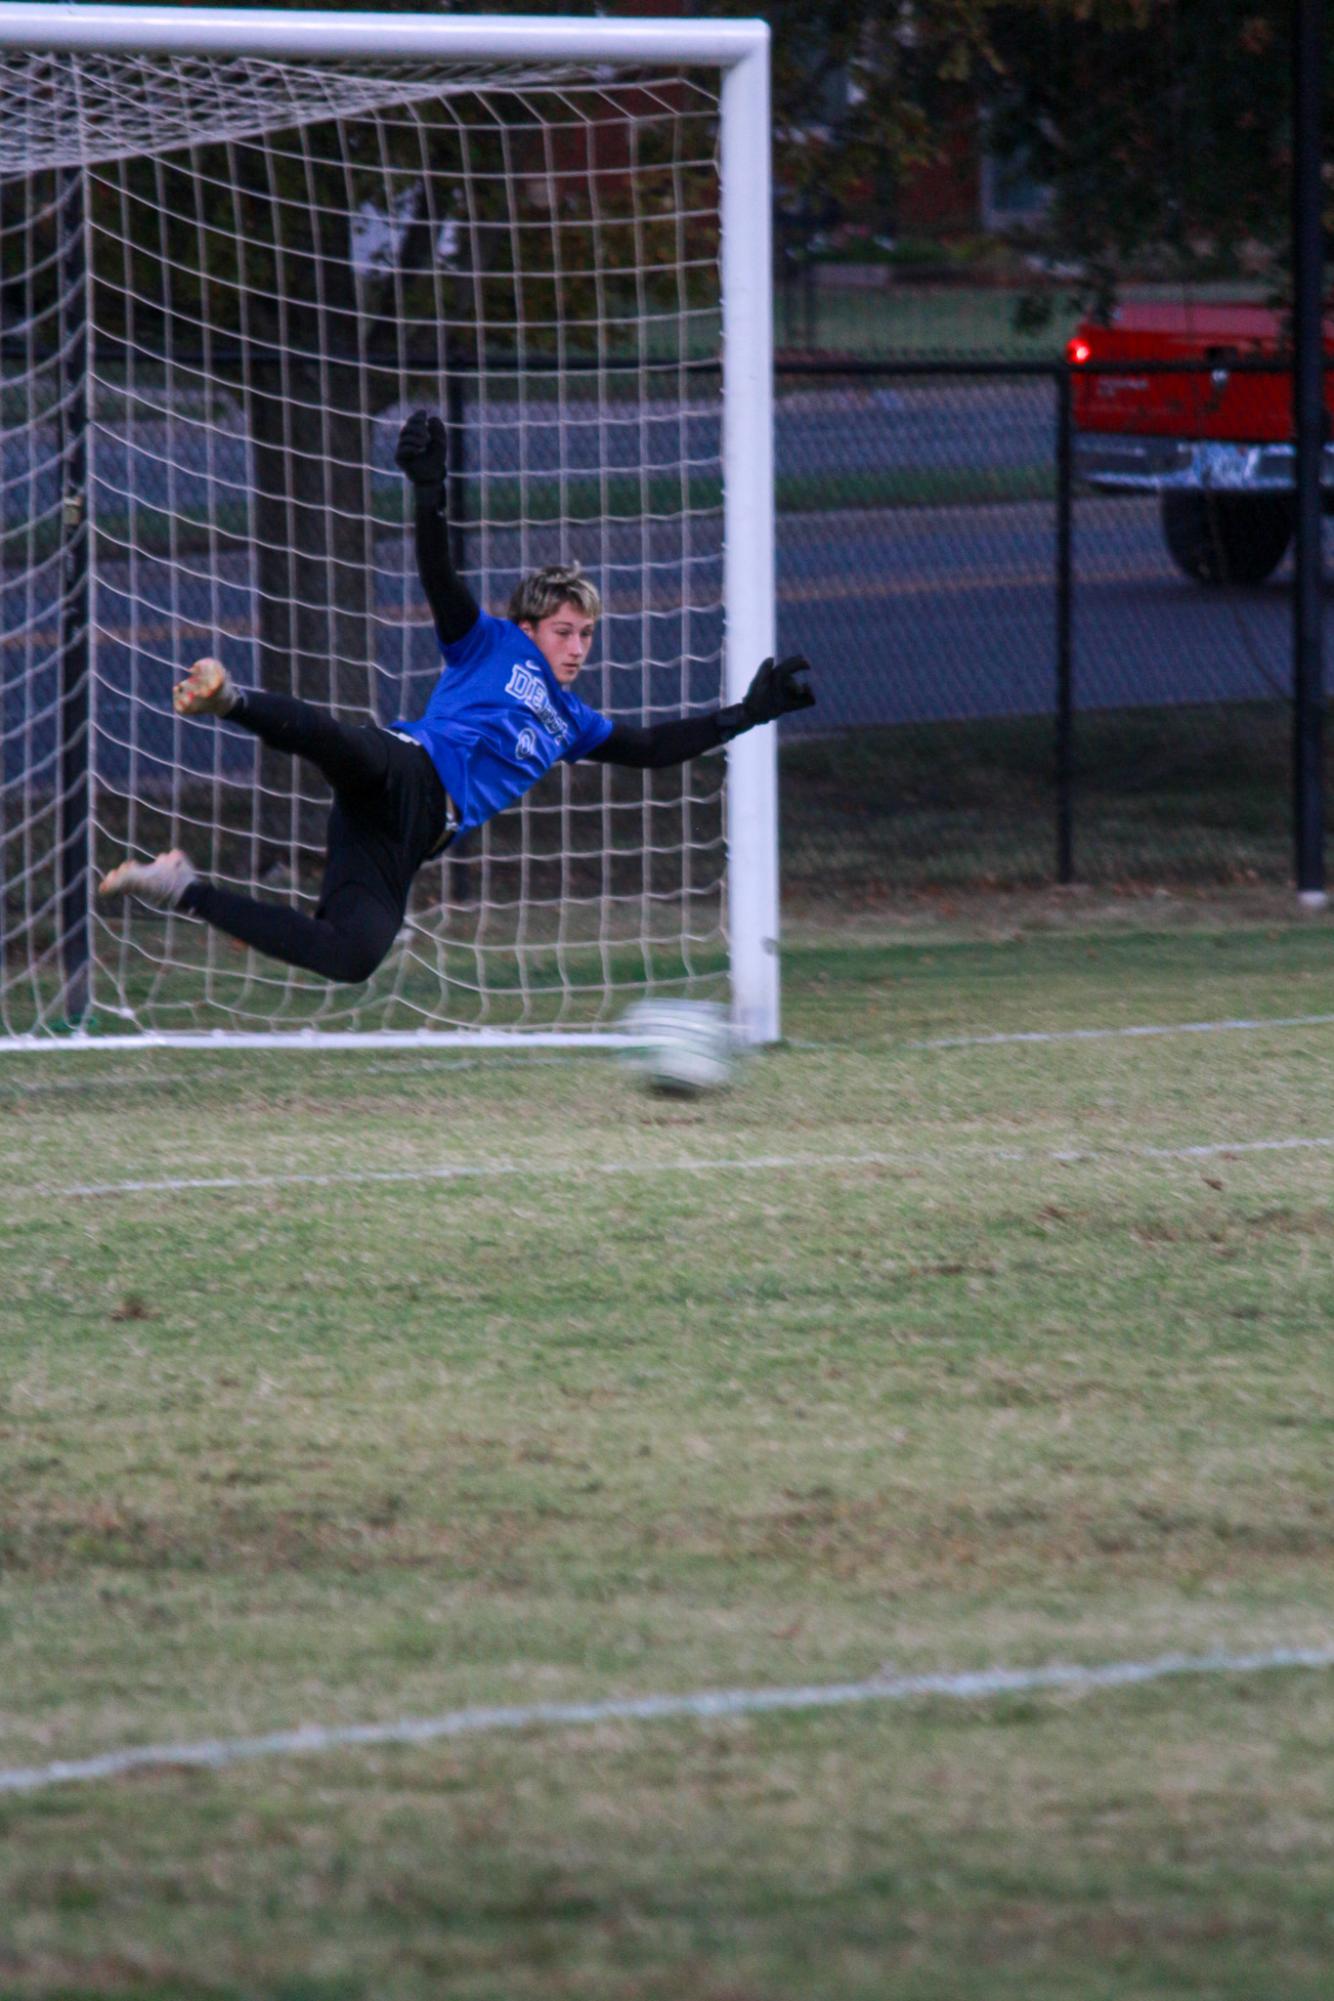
[(422, 452), (775, 691)]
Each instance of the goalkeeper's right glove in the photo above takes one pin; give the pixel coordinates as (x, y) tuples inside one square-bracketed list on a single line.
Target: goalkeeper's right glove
[(422, 452), (777, 690)]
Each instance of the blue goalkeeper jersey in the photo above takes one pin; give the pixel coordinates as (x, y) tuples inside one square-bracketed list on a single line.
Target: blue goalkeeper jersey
[(498, 719)]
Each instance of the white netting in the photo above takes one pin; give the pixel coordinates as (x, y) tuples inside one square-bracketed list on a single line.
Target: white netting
[(222, 285), (62, 111)]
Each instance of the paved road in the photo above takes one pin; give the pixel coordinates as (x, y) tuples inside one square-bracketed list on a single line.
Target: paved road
[(859, 429), (951, 612)]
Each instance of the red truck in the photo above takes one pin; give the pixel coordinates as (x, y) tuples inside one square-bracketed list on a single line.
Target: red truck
[(1216, 446)]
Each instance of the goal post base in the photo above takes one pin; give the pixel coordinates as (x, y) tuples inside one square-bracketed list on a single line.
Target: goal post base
[(313, 1041)]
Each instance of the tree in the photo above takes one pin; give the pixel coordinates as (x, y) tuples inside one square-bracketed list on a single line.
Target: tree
[(1162, 128)]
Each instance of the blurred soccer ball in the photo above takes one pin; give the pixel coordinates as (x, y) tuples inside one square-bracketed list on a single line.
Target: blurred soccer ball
[(680, 1048)]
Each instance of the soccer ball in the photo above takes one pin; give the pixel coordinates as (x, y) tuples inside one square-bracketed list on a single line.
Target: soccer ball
[(680, 1048)]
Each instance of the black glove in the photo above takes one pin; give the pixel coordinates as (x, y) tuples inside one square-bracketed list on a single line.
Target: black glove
[(776, 690), (422, 452)]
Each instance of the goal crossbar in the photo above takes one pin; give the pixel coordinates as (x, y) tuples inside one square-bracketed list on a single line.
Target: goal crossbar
[(293, 34)]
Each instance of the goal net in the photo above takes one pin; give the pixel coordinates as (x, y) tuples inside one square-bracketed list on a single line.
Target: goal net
[(225, 278)]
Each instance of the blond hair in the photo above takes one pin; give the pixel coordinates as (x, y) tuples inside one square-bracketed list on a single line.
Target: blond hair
[(547, 590)]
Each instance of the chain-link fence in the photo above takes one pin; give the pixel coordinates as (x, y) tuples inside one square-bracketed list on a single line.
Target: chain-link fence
[(919, 560), (919, 566)]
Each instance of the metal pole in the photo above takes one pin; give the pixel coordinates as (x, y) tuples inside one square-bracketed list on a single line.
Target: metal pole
[(458, 867), (456, 487), (1065, 659), (1308, 424), (72, 861)]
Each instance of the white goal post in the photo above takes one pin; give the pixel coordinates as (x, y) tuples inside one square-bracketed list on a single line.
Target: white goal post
[(235, 248)]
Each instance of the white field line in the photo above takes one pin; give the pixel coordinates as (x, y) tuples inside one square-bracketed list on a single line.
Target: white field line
[(707, 1704), (1215, 1148), (474, 1171), (1229, 1027), (772, 1163)]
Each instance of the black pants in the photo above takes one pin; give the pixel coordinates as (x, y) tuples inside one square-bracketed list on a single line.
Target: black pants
[(389, 812)]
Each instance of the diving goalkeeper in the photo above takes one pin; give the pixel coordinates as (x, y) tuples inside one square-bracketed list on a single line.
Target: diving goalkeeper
[(501, 714)]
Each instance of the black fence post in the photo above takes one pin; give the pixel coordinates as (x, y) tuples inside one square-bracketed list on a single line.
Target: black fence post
[(1308, 424), (1065, 675), (72, 864)]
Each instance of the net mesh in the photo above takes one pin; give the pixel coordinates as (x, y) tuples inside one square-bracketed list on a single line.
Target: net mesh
[(223, 286)]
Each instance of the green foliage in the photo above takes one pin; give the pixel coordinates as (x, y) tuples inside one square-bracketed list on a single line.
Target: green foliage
[(1163, 133)]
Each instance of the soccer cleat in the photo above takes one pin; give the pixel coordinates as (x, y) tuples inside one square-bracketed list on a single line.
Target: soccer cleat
[(207, 690), (164, 880)]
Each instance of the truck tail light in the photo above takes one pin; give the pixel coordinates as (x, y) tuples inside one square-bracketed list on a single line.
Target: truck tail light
[(1077, 352)]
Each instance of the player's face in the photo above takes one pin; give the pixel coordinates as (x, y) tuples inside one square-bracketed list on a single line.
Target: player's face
[(563, 638)]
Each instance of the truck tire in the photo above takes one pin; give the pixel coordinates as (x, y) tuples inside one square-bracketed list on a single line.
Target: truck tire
[(1227, 538)]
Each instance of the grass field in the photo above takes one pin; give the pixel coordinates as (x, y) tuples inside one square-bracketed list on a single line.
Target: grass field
[(916, 321), (913, 1354), (1195, 794)]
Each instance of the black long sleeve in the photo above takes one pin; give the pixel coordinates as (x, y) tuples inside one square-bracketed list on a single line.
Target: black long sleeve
[(669, 743), (453, 606)]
